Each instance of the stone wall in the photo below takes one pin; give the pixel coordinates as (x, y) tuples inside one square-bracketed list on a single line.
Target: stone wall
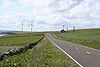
[(13, 52)]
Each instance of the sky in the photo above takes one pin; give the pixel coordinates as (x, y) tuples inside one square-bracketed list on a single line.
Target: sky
[(49, 15)]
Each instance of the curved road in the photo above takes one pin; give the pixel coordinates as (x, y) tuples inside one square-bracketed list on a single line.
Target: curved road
[(83, 56)]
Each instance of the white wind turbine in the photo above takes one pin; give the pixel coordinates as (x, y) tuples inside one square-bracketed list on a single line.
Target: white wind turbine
[(22, 24), (31, 26)]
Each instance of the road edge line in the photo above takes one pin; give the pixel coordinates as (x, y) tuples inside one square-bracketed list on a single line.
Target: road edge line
[(66, 53)]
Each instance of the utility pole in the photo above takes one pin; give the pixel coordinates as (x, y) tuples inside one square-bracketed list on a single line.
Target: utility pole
[(67, 29), (22, 26), (74, 29), (63, 27)]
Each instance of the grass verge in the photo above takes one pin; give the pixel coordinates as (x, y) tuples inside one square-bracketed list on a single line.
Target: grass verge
[(87, 37)]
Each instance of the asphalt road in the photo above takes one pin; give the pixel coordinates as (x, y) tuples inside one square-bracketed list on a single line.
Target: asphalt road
[(83, 56)]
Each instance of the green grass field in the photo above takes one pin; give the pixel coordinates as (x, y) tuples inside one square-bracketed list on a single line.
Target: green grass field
[(17, 40), (44, 54), (86, 37)]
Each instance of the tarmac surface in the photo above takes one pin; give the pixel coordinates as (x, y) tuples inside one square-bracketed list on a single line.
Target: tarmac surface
[(83, 56)]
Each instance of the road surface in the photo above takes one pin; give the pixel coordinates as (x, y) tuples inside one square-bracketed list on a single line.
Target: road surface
[(83, 56)]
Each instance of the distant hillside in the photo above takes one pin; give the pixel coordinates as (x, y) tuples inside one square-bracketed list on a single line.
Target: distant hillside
[(7, 32), (90, 29)]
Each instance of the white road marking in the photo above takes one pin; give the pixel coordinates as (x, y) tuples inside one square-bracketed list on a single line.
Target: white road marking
[(66, 53), (88, 52)]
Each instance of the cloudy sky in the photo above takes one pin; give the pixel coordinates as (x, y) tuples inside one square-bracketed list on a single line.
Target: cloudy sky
[(49, 14)]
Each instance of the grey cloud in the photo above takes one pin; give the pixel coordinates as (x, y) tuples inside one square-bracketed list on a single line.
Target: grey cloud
[(55, 5)]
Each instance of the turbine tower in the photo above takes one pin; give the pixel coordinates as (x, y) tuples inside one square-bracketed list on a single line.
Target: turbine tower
[(23, 23), (31, 25)]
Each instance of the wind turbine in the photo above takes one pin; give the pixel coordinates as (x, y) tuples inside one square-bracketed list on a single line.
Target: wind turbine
[(22, 24), (21, 19), (31, 25)]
